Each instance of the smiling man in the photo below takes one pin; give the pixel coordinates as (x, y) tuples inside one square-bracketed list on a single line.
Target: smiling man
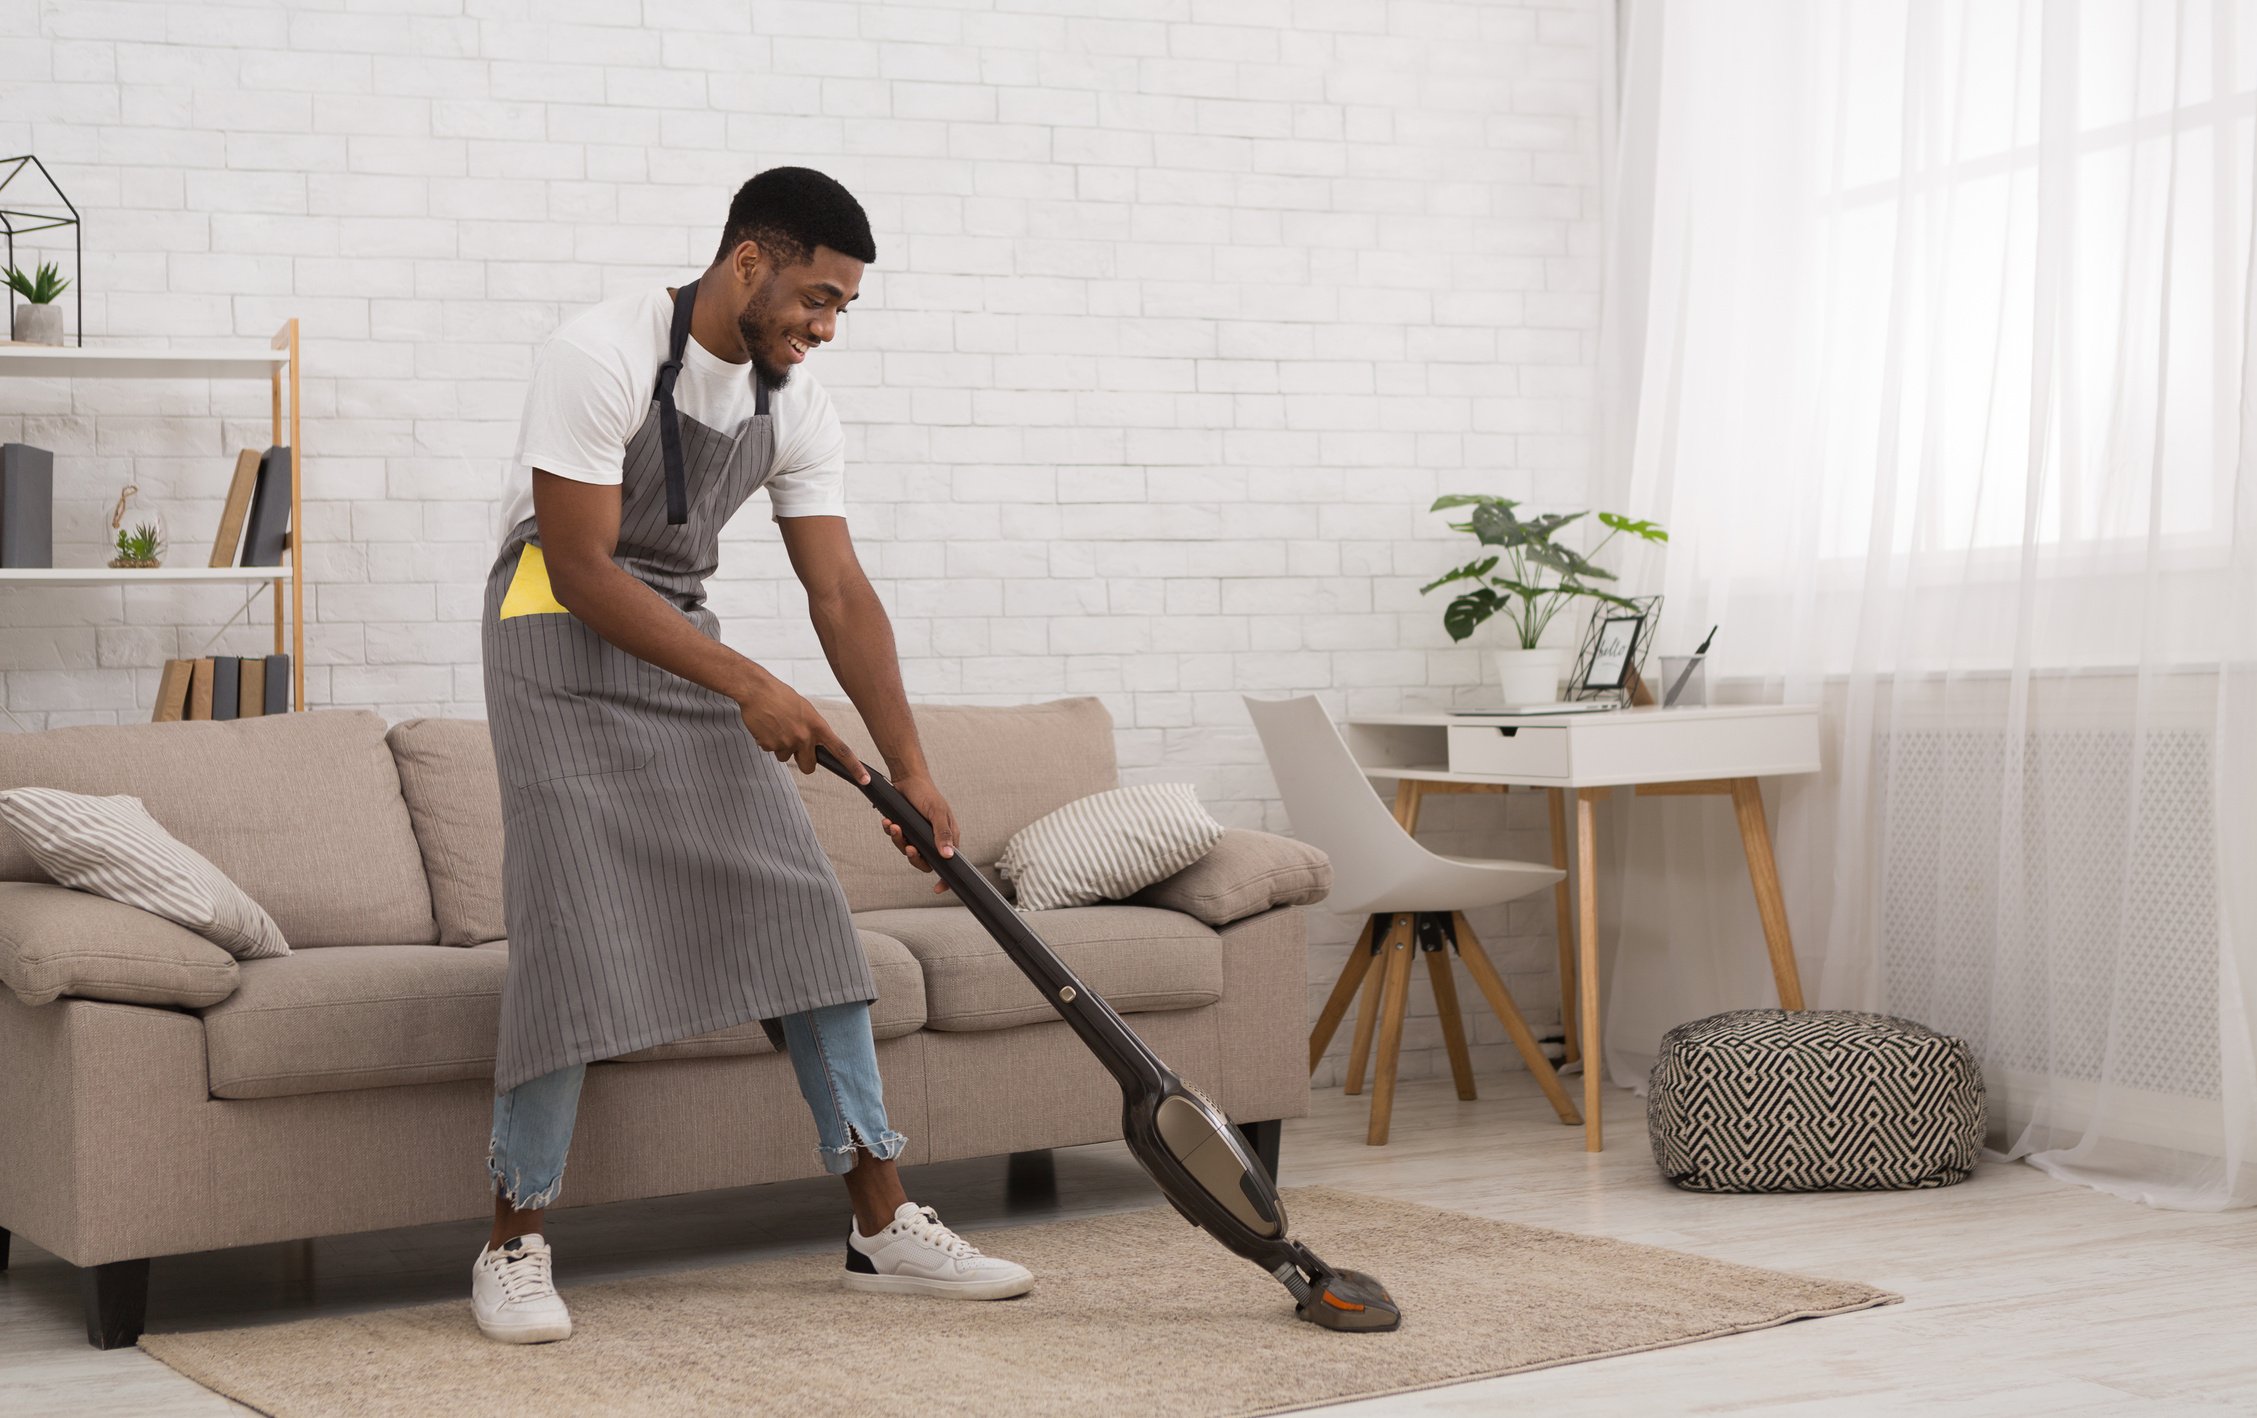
[(661, 878)]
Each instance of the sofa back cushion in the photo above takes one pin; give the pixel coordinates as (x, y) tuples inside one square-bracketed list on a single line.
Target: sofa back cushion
[(1000, 768), (303, 811), (454, 798)]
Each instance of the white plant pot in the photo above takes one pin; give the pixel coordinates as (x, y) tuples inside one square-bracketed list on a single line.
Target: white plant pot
[(1528, 676), (39, 324)]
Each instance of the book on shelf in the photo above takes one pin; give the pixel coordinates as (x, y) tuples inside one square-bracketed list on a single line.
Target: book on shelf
[(250, 696), (200, 689), (172, 692), (27, 506), (223, 687), (227, 682), (278, 684), (230, 535), (267, 529)]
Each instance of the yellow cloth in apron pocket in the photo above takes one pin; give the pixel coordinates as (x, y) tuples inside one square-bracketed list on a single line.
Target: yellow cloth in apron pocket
[(529, 592)]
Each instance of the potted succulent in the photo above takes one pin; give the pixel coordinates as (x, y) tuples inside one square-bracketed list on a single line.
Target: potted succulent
[(40, 320), (141, 547), (1528, 579)]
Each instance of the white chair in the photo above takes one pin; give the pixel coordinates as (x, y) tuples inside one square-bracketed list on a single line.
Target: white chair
[(1413, 902)]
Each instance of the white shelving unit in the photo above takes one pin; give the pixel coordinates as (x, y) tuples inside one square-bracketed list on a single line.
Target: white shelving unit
[(108, 576), (278, 366), (179, 362)]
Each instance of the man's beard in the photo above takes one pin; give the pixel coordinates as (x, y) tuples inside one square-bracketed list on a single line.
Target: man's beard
[(754, 330)]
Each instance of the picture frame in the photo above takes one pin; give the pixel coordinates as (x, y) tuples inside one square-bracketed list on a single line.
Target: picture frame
[(1611, 664)]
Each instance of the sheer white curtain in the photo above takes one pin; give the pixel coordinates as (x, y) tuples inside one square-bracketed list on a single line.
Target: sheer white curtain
[(1927, 339)]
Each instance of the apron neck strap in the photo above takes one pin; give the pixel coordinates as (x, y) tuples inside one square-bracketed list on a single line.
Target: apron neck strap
[(670, 422)]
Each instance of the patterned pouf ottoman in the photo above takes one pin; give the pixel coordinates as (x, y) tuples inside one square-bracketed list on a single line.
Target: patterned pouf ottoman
[(1775, 1100)]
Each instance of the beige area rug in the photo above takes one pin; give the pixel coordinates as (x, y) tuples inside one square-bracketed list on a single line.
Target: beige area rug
[(1133, 1313)]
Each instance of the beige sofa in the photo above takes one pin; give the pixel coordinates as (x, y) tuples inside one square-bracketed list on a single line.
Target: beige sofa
[(158, 1097)]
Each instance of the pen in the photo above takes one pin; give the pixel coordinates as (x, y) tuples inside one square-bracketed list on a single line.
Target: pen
[(1678, 688)]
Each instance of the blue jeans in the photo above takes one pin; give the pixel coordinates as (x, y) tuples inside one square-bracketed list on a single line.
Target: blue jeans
[(831, 1051)]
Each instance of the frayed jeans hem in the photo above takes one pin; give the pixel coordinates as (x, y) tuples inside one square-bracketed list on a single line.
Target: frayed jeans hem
[(512, 1189), (838, 1161)]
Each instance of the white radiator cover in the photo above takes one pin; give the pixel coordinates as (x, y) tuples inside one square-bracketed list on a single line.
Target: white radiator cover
[(2057, 912)]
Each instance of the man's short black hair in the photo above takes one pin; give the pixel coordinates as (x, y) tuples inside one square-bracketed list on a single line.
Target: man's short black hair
[(789, 211)]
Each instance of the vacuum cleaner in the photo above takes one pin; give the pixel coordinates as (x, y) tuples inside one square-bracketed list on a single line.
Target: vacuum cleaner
[(1199, 1161)]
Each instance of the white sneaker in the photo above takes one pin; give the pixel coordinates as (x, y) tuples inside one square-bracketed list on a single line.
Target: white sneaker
[(917, 1255), (513, 1296)]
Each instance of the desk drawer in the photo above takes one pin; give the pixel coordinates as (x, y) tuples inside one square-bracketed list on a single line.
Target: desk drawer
[(1511, 750)]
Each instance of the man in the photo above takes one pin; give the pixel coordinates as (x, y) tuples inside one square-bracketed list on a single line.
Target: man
[(660, 876)]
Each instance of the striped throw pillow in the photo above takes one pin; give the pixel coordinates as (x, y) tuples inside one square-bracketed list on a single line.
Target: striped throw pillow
[(113, 848), (1107, 846)]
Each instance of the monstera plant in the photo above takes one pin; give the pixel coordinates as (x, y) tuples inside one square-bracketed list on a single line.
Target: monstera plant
[(1528, 579)]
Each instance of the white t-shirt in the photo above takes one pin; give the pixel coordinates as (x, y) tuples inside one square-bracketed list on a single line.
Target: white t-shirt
[(592, 387)]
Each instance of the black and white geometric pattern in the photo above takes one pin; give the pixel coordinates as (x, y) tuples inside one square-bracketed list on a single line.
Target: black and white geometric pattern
[(1773, 1100)]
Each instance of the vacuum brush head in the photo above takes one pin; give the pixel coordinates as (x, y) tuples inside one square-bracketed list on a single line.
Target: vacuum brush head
[(1351, 1300)]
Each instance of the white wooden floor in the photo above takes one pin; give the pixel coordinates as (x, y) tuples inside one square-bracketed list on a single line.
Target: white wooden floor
[(2022, 1294)]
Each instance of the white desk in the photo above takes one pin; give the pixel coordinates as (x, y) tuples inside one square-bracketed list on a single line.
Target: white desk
[(1722, 750)]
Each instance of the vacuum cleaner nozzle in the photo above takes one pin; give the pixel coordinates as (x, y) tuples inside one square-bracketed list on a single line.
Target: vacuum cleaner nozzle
[(1350, 1300)]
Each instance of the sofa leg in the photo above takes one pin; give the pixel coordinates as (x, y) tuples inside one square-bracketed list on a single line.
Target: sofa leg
[(1031, 1178), (1264, 1140), (117, 1302), (3, 1248)]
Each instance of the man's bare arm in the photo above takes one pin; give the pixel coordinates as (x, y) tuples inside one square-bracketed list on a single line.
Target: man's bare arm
[(579, 534), (857, 639)]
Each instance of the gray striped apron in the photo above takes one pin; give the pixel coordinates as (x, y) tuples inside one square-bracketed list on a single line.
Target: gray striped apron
[(660, 876)]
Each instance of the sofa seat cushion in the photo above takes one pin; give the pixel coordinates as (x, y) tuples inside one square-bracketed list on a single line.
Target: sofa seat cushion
[(899, 1009), (326, 1021), (1138, 958)]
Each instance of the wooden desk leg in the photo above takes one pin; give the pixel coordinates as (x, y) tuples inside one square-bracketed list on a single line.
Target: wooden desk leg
[(1565, 923), (1343, 990), (1408, 793), (1397, 953), (1453, 1023), (1770, 902), (1587, 941), (1492, 986)]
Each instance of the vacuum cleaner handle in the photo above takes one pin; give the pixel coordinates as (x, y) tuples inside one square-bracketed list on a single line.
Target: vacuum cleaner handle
[(1190, 1149), (1128, 1058)]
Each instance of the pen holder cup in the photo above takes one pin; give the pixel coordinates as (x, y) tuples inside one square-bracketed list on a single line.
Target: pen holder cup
[(1695, 693)]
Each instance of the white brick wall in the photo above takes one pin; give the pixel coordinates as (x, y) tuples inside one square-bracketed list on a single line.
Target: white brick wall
[(1185, 310)]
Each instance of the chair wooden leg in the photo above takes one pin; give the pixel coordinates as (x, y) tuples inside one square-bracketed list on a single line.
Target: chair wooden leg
[(1367, 1023), (1453, 1023), (1770, 902), (1564, 923), (1336, 1004), (1396, 997), (1500, 999)]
